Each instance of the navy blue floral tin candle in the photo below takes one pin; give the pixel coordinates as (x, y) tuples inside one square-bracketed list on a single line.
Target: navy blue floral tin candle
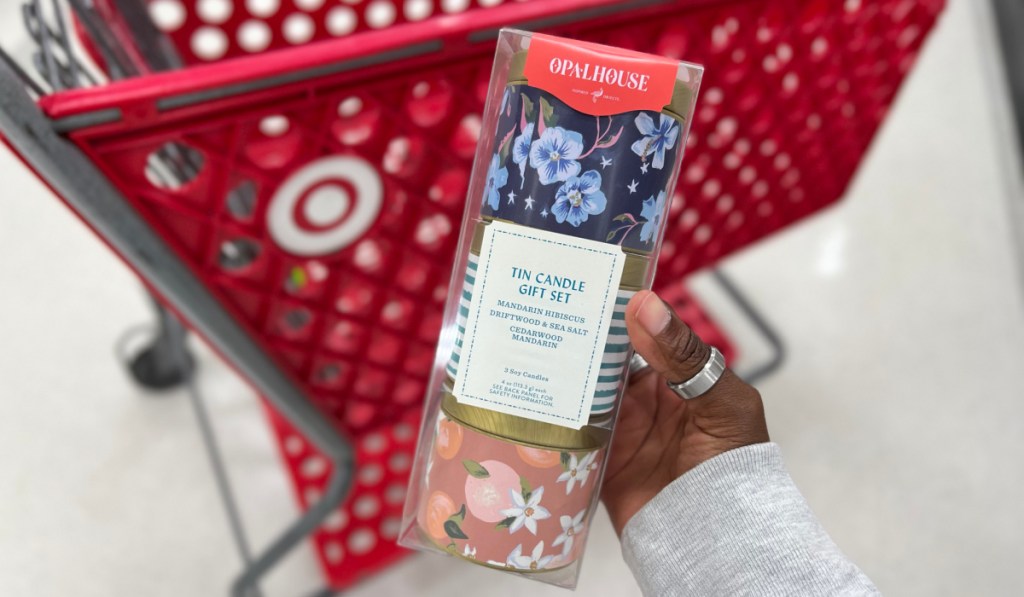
[(597, 177)]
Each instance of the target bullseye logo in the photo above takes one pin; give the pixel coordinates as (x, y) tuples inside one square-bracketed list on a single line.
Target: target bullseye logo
[(325, 206)]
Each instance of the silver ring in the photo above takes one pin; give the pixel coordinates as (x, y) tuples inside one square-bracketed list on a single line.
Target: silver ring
[(704, 380)]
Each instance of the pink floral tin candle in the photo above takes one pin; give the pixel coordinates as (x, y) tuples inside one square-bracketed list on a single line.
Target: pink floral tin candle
[(506, 503)]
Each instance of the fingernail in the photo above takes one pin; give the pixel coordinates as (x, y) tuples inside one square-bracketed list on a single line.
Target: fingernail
[(653, 315)]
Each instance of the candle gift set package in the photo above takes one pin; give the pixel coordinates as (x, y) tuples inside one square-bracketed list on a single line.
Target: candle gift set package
[(577, 162)]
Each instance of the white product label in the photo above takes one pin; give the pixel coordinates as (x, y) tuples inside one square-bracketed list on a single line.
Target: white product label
[(538, 323)]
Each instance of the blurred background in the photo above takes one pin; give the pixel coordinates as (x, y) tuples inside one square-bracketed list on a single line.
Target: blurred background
[(897, 404)]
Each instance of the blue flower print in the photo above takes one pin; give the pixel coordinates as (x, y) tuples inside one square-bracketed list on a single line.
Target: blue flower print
[(521, 151), (554, 155), (497, 176), (652, 211), (656, 139), (579, 198)]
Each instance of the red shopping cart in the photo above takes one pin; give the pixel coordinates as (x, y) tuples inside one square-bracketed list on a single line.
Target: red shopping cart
[(305, 174)]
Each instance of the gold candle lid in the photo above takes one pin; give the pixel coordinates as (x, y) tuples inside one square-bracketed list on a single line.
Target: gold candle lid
[(634, 271), (679, 108), (523, 431)]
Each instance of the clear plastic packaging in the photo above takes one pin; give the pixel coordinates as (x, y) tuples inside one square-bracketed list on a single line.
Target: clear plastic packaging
[(574, 171)]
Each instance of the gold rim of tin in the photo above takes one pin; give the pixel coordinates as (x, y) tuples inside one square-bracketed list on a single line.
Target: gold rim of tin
[(426, 537), (679, 107), (634, 271), (527, 432)]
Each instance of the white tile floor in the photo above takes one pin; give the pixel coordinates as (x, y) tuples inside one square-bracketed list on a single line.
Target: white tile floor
[(899, 408)]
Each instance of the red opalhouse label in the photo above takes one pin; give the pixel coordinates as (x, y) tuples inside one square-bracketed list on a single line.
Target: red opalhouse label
[(599, 80)]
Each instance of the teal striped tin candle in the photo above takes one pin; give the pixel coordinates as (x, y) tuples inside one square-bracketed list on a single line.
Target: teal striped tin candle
[(616, 349)]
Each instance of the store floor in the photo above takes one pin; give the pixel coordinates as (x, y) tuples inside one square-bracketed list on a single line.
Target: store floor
[(899, 407)]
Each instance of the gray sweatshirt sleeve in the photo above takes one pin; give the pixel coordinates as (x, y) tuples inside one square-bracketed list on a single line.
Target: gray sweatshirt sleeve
[(736, 525)]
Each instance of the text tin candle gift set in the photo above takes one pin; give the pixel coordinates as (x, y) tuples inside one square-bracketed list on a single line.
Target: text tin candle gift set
[(580, 153)]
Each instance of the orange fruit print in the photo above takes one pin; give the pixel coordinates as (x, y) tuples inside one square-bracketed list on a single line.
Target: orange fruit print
[(439, 507), (487, 497), (538, 457), (449, 438)]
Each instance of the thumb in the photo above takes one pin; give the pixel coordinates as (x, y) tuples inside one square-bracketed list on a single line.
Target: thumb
[(730, 413), (669, 345)]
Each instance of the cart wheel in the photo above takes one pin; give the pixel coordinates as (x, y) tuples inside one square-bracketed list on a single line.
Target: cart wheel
[(151, 368), (162, 361)]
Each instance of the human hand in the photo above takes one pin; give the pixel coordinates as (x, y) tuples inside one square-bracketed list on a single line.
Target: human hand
[(660, 436)]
